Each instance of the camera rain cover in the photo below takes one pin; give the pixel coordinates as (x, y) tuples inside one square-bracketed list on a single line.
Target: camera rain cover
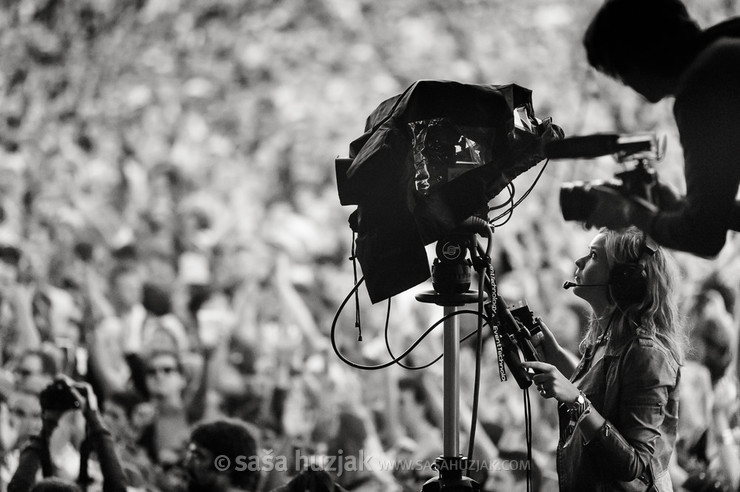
[(430, 158)]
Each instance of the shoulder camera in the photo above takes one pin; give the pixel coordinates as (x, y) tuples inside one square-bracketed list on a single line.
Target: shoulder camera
[(578, 199)]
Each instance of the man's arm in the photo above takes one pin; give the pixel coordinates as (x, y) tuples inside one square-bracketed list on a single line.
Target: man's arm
[(707, 109)]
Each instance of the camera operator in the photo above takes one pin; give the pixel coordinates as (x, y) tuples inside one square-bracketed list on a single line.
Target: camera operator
[(618, 406), (63, 395), (658, 50)]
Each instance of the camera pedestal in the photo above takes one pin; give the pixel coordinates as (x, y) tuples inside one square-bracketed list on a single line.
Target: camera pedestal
[(451, 476), (451, 465)]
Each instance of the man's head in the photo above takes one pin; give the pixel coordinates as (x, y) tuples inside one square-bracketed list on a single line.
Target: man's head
[(164, 374), (234, 439), (35, 370), (9, 260), (645, 44), (55, 484), (127, 287), (119, 415), (25, 414)]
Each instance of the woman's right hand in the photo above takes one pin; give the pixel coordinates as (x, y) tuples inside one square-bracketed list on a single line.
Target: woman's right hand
[(553, 353), (549, 345)]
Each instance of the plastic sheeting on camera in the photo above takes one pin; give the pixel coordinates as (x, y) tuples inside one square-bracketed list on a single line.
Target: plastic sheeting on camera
[(430, 158)]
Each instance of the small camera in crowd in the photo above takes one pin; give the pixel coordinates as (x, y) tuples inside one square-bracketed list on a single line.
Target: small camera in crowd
[(58, 396)]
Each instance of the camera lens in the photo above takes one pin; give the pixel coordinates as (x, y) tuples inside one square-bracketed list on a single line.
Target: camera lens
[(576, 203)]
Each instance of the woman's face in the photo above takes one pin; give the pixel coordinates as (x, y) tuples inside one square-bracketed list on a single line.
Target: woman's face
[(592, 275)]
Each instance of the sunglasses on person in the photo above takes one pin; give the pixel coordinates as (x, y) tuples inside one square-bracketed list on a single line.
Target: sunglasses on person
[(23, 372), (23, 414), (166, 370)]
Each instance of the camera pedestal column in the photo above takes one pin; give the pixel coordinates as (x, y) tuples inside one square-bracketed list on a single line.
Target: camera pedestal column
[(451, 465)]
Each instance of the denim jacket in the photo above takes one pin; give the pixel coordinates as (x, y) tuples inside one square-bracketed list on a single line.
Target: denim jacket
[(635, 388)]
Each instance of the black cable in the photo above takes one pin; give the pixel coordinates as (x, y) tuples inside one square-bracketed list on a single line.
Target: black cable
[(531, 187), (506, 202), (516, 204), (358, 323), (416, 368), (395, 360), (476, 383), (528, 435), (512, 193)]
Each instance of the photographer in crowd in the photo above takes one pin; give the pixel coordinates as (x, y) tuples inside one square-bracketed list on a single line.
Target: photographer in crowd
[(658, 50), (61, 396), (618, 406)]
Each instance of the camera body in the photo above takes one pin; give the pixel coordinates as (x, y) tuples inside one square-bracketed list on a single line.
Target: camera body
[(58, 396), (578, 199), (514, 339), (521, 312)]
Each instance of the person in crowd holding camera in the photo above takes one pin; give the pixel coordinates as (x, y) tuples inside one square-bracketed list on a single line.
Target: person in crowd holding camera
[(658, 50), (34, 371), (61, 396), (618, 406)]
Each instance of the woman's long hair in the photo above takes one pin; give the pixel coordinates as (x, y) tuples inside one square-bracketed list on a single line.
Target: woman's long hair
[(657, 313)]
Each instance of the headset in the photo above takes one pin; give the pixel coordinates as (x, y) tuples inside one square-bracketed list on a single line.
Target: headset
[(628, 280)]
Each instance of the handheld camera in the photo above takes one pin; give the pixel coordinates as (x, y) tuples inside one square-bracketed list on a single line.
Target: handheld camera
[(578, 199)]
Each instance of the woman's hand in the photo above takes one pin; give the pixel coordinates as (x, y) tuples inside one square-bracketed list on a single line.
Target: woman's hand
[(551, 383), (549, 345)]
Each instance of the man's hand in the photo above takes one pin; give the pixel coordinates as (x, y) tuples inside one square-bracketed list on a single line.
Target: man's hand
[(87, 397), (667, 197)]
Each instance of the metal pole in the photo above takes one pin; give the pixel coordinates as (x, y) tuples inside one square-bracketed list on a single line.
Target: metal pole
[(450, 437)]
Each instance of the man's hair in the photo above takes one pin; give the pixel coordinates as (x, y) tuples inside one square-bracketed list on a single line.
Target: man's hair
[(126, 399), (120, 270), (657, 35), (48, 362), (231, 438), (156, 299), (55, 484), (10, 254), (415, 386)]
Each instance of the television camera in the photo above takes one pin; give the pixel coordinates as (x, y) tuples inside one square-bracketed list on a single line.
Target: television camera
[(578, 199)]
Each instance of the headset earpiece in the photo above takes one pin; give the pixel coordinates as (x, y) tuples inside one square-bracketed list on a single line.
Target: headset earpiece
[(628, 283)]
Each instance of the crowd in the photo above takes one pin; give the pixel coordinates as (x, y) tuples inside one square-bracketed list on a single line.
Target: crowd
[(168, 325), (156, 316)]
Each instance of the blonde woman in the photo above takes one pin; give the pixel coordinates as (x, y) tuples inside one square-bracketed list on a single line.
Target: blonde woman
[(618, 406)]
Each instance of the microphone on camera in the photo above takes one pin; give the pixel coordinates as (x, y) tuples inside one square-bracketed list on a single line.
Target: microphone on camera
[(590, 146), (568, 285)]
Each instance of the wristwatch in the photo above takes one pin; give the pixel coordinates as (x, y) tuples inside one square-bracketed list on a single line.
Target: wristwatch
[(580, 407)]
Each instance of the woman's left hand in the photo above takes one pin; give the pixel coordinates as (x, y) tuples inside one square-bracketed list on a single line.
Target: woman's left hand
[(551, 383)]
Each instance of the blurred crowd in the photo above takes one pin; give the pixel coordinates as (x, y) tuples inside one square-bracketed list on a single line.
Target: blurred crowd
[(172, 322), (177, 295)]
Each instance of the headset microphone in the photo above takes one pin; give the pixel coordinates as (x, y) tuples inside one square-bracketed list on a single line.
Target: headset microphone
[(567, 285)]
